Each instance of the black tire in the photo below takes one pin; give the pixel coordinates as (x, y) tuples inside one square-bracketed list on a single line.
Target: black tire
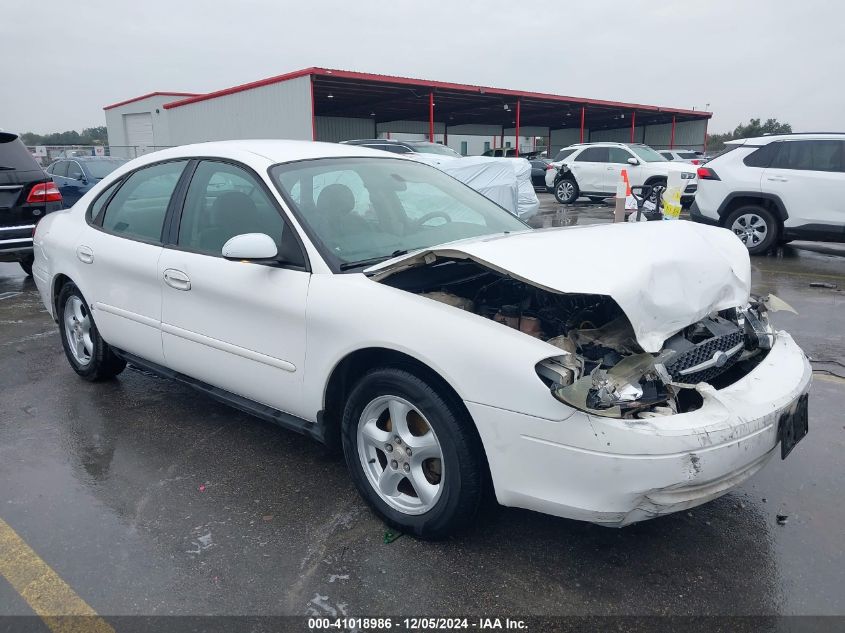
[(463, 464), (597, 198), (26, 264), (658, 185), (758, 241), (566, 191), (103, 363)]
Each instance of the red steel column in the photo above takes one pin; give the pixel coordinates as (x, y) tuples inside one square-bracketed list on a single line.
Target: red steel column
[(633, 124), (672, 137), (313, 118), (518, 103), (431, 116), (583, 113)]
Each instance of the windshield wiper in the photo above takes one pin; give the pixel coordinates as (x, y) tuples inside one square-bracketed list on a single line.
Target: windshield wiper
[(372, 260)]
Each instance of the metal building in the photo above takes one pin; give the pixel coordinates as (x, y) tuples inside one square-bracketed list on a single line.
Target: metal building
[(334, 105)]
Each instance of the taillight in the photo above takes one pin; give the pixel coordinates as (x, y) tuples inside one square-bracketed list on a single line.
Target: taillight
[(695, 161), (44, 192), (550, 167), (705, 173)]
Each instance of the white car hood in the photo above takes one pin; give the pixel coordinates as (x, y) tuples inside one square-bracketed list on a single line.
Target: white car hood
[(664, 275)]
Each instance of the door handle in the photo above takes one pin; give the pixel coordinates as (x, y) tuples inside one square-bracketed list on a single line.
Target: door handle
[(85, 254), (772, 179), (177, 279)]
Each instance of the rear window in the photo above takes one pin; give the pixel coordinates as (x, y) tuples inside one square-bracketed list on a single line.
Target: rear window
[(687, 155), (14, 154)]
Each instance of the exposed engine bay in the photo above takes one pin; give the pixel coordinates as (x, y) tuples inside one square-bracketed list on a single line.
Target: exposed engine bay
[(602, 369)]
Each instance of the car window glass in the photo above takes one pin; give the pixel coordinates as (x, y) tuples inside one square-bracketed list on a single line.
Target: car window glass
[(563, 154), (688, 155), (618, 155), (815, 155), (14, 154), (667, 155), (763, 156), (223, 201), (138, 208), (101, 200), (60, 169), (74, 170), (593, 155)]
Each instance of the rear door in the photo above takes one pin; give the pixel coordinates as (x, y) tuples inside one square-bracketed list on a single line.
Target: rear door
[(74, 183), (590, 167), (809, 177), (119, 252)]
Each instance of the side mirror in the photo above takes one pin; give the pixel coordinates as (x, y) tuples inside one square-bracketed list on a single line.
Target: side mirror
[(633, 161), (251, 247)]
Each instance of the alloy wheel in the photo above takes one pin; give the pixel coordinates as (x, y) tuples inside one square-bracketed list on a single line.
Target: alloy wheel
[(400, 454), (77, 324), (750, 228), (565, 190)]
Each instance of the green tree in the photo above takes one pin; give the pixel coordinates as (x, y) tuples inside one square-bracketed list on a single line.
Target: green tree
[(716, 142), (89, 136)]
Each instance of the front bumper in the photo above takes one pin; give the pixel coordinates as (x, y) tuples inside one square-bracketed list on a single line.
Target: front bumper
[(616, 472)]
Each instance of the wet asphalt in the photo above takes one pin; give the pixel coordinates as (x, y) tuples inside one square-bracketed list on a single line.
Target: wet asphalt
[(148, 498)]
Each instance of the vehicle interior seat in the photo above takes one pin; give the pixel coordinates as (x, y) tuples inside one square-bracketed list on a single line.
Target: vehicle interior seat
[(335, 209)]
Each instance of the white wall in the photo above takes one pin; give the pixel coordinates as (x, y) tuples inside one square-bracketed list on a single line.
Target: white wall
[(160, 120), (280, 110)]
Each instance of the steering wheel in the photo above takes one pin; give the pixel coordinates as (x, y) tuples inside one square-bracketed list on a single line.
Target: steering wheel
[(432, 215)]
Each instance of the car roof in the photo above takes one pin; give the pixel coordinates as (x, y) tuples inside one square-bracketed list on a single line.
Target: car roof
[(267, 151), (795, 136)]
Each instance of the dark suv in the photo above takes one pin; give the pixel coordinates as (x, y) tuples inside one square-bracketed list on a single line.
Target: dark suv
[(27, 194)]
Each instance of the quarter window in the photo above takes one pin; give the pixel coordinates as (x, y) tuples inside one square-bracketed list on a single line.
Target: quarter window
[(138, 208), (762, 157), (223, 201), (593, 155), (100, 202), (60, 169)]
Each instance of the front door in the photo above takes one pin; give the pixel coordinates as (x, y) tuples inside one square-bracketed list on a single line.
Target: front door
[(239, 326), (617, 161)]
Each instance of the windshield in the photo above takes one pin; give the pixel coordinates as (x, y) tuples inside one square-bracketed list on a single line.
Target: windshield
[(647, 154), (102, 168), (359, 211), (434, 148)]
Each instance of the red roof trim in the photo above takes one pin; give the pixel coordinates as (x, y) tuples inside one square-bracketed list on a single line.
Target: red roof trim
[(148, 95), (242, 87), (347, 74)]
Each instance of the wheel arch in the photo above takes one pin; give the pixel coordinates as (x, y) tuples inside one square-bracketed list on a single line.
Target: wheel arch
[(59, 281), (768, 201), (355, 364)]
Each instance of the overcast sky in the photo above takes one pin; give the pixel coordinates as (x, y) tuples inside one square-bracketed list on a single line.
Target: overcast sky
[(768, 58)]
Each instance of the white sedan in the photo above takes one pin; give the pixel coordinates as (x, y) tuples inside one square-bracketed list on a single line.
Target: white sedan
[(606, 373)]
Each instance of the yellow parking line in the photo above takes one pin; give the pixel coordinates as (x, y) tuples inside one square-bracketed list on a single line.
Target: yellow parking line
[(48, 595), (817, 375)]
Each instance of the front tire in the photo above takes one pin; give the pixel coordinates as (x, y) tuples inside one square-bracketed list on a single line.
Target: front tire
[(566, 191), (755, 226), (88, 354), (413, 454)]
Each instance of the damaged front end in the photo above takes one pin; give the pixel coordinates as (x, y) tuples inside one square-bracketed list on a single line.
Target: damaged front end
[(618, 379)]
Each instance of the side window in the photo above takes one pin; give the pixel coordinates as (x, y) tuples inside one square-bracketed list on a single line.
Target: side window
[(99, 203), (762, 157), (224, 201), (138, 208), (60, 169), (618, 155), (667, 155), (816, 155), (593, 155), (74, 170), (562, 154)]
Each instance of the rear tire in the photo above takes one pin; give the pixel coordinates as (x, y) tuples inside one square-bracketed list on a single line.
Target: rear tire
[(437, 447), (566, 191), (755, 226), (26, 264), (88, 354)]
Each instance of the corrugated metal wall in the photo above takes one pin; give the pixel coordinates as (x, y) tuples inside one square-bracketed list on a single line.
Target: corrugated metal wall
[(281, 110), (568, 136), (410, 127), (335, 128), (688, 134)]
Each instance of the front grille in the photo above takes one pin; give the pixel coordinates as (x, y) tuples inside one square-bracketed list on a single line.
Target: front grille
[(703, 352)]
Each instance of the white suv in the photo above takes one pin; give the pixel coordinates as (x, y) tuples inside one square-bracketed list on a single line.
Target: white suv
[(593, 169), (774, 189)]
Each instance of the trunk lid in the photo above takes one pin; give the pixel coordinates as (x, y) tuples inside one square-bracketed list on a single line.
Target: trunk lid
[(664, 275)]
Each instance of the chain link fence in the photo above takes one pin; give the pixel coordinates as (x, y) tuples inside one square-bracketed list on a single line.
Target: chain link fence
[(46, 154)]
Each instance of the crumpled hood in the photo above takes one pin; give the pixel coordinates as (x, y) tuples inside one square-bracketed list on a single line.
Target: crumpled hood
[(664, 275)]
